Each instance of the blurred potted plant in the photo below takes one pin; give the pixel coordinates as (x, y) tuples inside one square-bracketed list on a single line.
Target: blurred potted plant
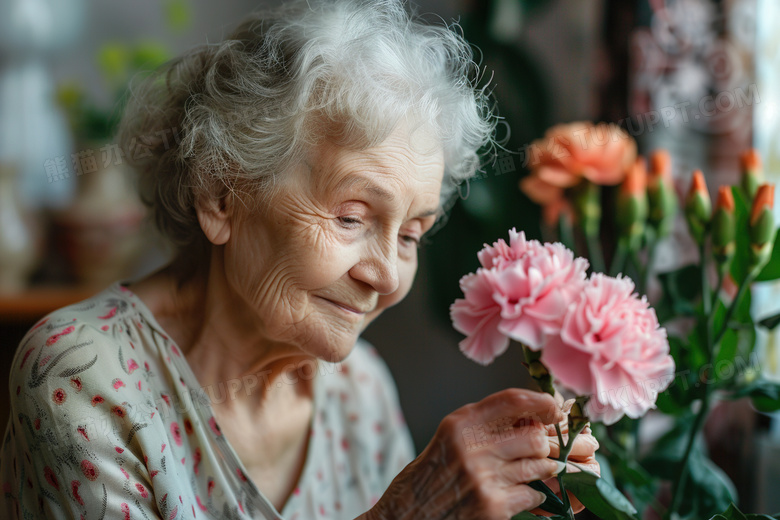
[(100, 233)]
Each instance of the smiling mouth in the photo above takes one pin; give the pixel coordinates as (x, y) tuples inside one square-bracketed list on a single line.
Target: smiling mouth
[(344, 307)]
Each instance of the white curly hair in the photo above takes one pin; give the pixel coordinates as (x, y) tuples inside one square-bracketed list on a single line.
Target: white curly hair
[(252, 106)]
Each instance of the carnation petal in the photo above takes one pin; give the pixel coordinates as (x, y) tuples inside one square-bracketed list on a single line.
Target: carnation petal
[(524, 330), (551, 306), (568, 365), (602, 412), (611, 348), (485, 343)]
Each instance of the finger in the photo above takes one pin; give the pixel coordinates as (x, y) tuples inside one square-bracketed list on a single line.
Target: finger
[(582, 450), (521, 403), (585, 446), (590, 464), (524, 440), (564, 427), (522, 498), (523, 471)]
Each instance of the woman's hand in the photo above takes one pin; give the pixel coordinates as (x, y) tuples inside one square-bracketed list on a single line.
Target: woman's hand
[(583, 454), (478, 463)]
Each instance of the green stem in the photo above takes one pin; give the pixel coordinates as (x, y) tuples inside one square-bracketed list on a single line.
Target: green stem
[(644, 280), (538, 371), (636, 263), (616, 450), (619, 260), (595, 254), (705, 283), (746, 281), (564, 457), (679, 482), (719, 286), (565, 231), (682, 473), (635, 437)]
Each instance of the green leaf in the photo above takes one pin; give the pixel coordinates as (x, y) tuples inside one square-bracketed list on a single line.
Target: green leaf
[(178, 15), (707, 490), (732, 513), (739, 264), (606, 468), (771, 271), (697, 353), (770, 322), (527, 515), (713, 489), (677, 398), (727, 350), (681, 289), (765, 394), (553, 504), (599, 496), (664, 457)]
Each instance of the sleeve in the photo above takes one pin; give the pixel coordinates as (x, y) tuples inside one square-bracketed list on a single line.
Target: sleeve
[(69, 449)]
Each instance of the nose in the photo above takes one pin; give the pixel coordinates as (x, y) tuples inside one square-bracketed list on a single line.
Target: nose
[(379, 269)]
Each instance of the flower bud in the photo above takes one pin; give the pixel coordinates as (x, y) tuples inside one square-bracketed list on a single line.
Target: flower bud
[(632, 204), (698, 207), (587, 203), (661, 196), (724, 228), (752, 172), (577, 416), (539, 372), (762, 226)]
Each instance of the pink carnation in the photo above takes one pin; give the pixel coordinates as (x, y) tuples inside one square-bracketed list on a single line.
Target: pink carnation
[(478, 317), (500, 253), (521, 292), (612, 348), (535, 291)]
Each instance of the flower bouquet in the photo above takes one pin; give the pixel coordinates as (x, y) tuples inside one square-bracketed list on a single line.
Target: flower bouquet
[(591, 336)]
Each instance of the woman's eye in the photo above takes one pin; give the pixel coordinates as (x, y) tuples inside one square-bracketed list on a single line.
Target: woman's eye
[(349, 222), (410, 240)]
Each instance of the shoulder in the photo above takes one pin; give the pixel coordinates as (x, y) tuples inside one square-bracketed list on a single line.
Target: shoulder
[(84, 416), (78, 354)]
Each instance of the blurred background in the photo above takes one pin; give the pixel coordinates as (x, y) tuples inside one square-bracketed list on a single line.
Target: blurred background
[(698, 77)]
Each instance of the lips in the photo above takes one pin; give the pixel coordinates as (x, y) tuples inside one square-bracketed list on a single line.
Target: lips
[(347, 307)]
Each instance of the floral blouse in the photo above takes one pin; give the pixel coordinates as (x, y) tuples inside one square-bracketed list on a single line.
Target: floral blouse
[(108, 421)]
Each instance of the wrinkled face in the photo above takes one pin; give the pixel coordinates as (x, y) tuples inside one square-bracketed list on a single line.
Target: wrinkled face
[(339, 243)]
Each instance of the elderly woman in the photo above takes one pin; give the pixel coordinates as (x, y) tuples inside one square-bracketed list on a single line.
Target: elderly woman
[(297, 165)]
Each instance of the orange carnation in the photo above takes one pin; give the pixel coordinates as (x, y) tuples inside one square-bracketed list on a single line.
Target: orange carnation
[(569, 153)]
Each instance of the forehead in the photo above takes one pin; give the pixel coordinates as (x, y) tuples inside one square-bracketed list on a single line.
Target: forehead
[(410, 159)]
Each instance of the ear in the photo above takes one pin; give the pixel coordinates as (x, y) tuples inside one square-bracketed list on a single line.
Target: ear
[(214, 216)]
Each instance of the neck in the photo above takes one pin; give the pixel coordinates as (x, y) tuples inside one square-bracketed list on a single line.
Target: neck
[(221, 336)]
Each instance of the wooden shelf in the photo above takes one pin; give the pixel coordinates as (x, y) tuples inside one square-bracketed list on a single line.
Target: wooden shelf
[(35, 302)]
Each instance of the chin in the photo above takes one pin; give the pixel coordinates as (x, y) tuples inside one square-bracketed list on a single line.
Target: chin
[(332, 344)]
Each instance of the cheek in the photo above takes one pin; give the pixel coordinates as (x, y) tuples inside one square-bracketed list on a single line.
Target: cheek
[(272, 262)]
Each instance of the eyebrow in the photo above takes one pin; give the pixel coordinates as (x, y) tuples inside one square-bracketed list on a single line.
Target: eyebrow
[(381, 193)]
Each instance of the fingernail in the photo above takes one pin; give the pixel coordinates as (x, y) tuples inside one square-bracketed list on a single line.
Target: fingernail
[(559, 466), (542, 498)]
